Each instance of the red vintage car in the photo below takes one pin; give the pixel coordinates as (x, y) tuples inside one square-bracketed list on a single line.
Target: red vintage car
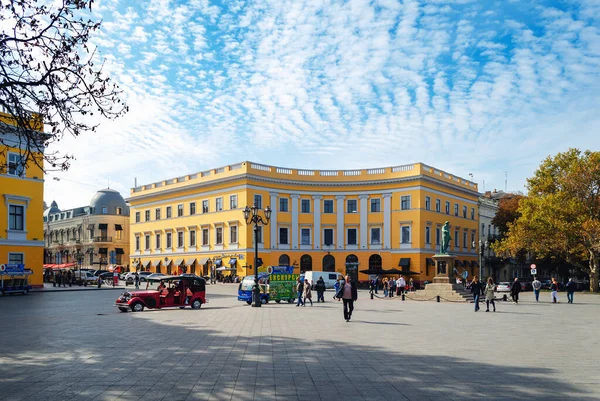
[(172, 292)]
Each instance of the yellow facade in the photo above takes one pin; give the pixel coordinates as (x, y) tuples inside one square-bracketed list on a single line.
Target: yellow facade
[(21, 227), (344, 221)]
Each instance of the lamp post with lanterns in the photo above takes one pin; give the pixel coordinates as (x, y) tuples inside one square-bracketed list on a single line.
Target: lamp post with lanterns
[(482, 247), (252, 216)]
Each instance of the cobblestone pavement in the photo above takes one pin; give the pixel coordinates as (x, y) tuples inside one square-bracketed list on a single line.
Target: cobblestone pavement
[(76, 346)]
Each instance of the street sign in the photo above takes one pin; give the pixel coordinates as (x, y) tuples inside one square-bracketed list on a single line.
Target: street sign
[(533, 272), (532, 267)]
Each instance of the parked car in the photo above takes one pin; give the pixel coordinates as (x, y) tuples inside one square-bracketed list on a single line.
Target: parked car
[(503, 286), (144, 275), (329, 277), (99, 272), (84, 277), (155, 276)]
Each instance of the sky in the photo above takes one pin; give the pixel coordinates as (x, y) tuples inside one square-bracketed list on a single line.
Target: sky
[(488, 88)]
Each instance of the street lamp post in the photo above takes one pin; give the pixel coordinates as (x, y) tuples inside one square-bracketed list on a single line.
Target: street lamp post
[(251, 215), (482, 246)]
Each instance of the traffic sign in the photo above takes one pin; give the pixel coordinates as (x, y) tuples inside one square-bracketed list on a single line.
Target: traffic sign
[(533, 272), (532, 267)]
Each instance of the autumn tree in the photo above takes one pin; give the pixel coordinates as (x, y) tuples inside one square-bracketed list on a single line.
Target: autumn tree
[(508, 212), (49, 73), (561, 214)]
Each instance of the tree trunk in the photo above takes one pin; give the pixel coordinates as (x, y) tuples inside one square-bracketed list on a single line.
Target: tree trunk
[(593, 271)]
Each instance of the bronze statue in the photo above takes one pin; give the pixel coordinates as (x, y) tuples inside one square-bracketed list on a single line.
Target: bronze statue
[(445, 238)]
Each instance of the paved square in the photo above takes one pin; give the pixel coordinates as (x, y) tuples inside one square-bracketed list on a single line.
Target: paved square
[(76, 346)]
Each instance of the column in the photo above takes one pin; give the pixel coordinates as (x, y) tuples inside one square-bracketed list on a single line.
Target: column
[(295, 198), (340, 228), (274, 207), (387, 221), (317, 221), (363, 209)]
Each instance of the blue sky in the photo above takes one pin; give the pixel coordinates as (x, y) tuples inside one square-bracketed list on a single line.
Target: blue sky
[(466, 86)]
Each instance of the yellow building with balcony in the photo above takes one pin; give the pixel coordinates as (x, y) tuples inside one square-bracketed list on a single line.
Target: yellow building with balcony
[(355, 222), (21, 207)]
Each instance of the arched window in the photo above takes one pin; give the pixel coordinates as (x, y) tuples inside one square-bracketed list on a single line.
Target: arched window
[(351, 259), (305, 263), (328, 263), (375, 262), (284, 260)]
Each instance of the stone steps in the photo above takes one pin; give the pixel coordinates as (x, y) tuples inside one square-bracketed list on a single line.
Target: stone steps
[(446, 292)]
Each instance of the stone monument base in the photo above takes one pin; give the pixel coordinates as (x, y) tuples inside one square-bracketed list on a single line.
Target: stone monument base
[(443, 283)]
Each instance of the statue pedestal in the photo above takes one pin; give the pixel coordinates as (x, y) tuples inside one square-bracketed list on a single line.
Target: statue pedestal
[(444, 284), (444, 268)]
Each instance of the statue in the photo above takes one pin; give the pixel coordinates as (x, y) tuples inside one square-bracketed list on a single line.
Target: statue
[(445, 238)]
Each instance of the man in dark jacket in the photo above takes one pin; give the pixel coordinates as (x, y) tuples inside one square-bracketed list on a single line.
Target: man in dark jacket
[(349, 293), (515, 289), (570, 287), (320, 287), (476, 290), (300, 291)]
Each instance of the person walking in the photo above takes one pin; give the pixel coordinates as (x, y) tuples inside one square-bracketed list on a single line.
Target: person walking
[(300, 291), (348, 293), (320, 287), (537, 286), (307, 292), (385, 287), (401, 285), (69, 278), (392, 284), (136, 278), (570, 287), (554, 290), (376, 283), (411, 285), (490, 287), (515, 289), (476, 290)]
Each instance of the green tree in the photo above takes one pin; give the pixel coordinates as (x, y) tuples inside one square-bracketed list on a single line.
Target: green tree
[(49, 73), (561, 214)]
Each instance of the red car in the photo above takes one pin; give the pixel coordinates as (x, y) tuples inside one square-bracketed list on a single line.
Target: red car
[(172, 292)]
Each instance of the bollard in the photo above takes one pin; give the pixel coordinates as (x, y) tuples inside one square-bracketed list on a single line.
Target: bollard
[(438, 298), (371, 294)]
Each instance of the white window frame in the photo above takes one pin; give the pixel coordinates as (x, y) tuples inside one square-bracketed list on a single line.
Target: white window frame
[(428, 234), (332, 206), (17, 231), (371, 205), (287, 204), (348, 244), (147, 215), (103, 210), (206, 203), (259, 203), (302, 205), (405, 243), (279, 235), (233, 202), (438, 205), (169, 212), (16, 253), (195, 208), (217, 228), (402, 199), (332, 236), (310, 238), (157, 213), (380, 242), (428, 203), (218, 204), (180, 208), (157, 241), (182, 244), (19, 169), (147, 242), (348, 206), (203, 243), (237, 234), (195, 235), (138, 243)]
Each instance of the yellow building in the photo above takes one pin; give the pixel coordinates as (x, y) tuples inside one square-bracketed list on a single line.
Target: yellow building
[(22, 190), (335, 220)]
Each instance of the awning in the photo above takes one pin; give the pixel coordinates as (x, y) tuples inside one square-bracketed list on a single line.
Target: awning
[(190, 262), (156, 262), (91, 226), (103, 226), (148, 263), (178, 262), (120, 251), (118, 227), (430, 262), (458, 262), (202, 261), (404, 262), (474, 263), (103, 251), (217, 262), (223, 268), (232, 261)]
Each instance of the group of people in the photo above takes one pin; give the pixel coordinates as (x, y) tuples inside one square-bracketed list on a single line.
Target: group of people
[(392, 286), (60, 278), (346, 290), (304, 291)]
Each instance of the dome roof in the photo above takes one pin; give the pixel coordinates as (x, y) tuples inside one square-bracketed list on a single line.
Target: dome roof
[(52, 209), (109, 199)]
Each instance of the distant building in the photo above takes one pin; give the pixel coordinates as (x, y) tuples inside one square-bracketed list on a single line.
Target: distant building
[(94, 236), (21, 207)]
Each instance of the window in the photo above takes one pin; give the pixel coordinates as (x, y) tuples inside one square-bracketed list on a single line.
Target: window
[(375, 205), (15, 165), (219, 204), (305, 236), (351, 206), (147, 215), (283, 204), (119, 211), (427, 203), (157, 237), (233, 202), (456, 243), (328, 236), (258, 201), (157, 214), (472, 213), (147, 242), (328, 206), (352, 236), (16, 259), (137, 217), (473, 239), (464, 239), (179, 210), (16, 218), (283, 236), (169, 214), (376, 236), (137, 243), (192, 208), (437, 236), (104, 210), (233, 234), (438, 205), (192, 237), (483, 229), (118, 234), (405, 235), (465, 212), (447, 207), (205, 236), (405, 202), (219, 235), (179, 239), (169, 240), (204, 206), (456, 209), (428, 235), (305, 205)]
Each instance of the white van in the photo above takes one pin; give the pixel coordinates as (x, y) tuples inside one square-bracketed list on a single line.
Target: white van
[(329, 277)]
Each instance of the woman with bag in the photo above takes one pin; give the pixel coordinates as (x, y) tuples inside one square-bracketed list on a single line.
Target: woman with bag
[(307, 292), (490, 287), (348, 292)]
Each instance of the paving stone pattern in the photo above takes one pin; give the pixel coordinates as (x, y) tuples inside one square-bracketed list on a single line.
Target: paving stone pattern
[(76, 346)]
